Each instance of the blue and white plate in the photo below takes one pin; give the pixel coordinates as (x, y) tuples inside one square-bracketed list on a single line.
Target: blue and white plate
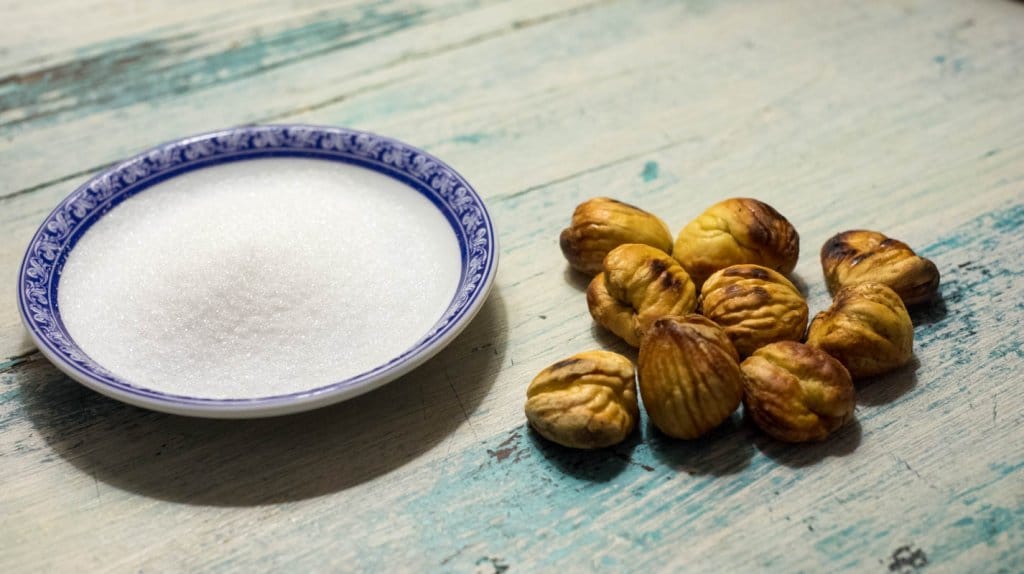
[(401, 167)]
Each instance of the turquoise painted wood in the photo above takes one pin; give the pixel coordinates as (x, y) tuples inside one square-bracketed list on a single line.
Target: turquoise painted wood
[(897, 115)]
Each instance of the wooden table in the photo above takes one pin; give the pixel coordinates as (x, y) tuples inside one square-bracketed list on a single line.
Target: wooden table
[(900, 115)]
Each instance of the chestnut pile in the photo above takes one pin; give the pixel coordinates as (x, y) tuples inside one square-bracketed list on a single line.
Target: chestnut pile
[(718, 323)]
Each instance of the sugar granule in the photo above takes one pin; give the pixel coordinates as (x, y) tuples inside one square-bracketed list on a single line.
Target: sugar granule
[(258, 278)]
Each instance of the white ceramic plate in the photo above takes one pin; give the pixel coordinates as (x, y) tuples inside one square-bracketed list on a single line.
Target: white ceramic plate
[(427, 194)]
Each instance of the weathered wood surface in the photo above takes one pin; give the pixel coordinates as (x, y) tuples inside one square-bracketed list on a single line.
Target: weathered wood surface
[(900, 115)]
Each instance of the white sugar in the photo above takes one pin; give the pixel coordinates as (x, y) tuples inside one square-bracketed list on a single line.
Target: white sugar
[(259, 278)]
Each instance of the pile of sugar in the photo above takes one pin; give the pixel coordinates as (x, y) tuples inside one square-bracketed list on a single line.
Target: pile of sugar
[(259, 278)]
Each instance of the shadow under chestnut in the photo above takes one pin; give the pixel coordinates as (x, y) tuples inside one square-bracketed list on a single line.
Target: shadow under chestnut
[(884, 389), (841, 443), (580, 281), (598, 465), (725, 450)]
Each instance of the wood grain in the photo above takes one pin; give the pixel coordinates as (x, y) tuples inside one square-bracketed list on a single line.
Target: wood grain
[(899, 115)]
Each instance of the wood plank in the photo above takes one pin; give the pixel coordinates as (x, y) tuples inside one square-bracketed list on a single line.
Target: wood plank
[(897, 115), (933, 463), (861, 160)]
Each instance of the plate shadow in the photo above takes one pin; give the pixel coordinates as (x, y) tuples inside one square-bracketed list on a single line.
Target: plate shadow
[(271, 460)]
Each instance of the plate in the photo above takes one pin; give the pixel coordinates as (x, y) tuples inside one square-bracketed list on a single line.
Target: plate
[(376, 170)]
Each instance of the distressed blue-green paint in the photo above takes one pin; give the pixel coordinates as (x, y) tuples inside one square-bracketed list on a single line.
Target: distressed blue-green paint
[(1009, 220), (841, 543), (572, 185), (126, 71), (7, 364), (1007, 348), (650, 172), (549, 489), (473, 138), (9, 395), (547, 35), (968, 286), (1006, 469), (546, 488), (990, 526)]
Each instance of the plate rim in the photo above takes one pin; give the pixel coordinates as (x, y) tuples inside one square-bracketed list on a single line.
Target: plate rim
[(413, 167)]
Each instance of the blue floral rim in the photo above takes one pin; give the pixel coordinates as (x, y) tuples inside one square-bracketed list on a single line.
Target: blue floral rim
[(39, 276)]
